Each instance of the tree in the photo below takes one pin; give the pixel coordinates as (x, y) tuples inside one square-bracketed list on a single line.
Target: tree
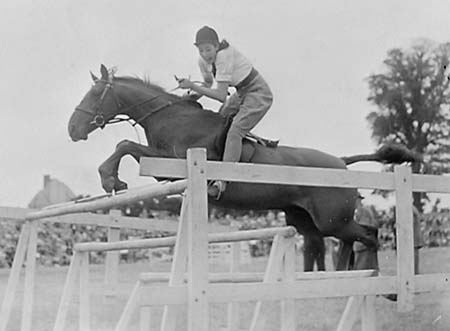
[(413, 101)]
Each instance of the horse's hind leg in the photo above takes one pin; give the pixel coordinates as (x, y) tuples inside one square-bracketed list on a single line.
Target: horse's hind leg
[(313, 251), (313, 244), (344, 256), (108, 170), (350, 233)]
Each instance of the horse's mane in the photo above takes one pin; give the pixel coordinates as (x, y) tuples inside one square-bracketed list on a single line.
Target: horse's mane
[(145, 82)]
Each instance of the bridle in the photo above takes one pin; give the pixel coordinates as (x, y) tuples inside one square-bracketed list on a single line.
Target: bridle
[(99, 119)]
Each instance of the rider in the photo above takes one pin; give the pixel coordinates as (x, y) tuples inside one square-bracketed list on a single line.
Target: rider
[(225, 64)]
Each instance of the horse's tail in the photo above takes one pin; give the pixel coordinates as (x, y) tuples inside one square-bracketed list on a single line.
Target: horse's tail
[(388, 153)]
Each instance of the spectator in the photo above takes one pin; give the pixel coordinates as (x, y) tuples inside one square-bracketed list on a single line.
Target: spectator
[(365, 258)]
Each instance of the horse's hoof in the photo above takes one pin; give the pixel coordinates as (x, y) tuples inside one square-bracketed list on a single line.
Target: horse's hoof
[(120, 186), (108, 184)]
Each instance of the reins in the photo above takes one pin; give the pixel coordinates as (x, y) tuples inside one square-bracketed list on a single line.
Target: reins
[(99, 118)]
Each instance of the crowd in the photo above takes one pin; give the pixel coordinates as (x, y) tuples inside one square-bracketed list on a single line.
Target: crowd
[(55, 241)]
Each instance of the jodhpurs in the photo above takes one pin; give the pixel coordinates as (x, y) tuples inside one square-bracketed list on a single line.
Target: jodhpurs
[(254, 101)]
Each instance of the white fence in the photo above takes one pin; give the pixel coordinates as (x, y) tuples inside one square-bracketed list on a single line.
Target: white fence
[(199, 292)]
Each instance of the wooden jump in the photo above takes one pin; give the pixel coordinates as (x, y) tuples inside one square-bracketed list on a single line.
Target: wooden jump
[(279, 281), (170, 241), (131, 196)]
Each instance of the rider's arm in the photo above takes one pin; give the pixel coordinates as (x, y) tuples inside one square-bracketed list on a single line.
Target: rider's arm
[(218, 93)]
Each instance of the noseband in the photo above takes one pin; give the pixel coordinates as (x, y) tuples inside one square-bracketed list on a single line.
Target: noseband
[(99, 119)]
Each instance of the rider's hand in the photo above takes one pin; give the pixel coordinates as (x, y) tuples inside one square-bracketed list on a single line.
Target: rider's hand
[(185, 83), (191, 96)]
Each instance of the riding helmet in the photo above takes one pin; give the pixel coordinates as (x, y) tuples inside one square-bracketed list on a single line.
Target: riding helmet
[(206, 35)]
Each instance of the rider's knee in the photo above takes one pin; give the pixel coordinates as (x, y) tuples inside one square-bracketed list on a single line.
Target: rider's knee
[(236, 131), (124, 144)]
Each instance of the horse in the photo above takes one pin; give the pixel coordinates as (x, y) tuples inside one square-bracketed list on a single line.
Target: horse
[(173, 124)]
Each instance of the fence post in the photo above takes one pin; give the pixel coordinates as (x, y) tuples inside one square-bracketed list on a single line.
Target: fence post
[(233, 308), (14, 275), (405, 238), (30, 271), (198, 315), (112, 258), (178, 269), (288, 316), (84, 292)]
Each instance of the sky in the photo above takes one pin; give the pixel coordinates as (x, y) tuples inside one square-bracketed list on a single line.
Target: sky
[(315, 55)]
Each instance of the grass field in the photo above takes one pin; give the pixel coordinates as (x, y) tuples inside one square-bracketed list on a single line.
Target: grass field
[(432, 310)]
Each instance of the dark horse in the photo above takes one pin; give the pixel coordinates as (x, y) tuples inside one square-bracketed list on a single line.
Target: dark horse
[(173, 124)]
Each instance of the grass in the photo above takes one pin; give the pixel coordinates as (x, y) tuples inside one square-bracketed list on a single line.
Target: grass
[(432, 310)]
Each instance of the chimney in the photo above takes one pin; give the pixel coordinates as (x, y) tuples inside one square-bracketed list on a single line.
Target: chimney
[(46, 180)]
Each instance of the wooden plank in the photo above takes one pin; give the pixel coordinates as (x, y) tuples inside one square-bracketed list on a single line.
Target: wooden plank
[(246, 277), (350, 314), (288, 315), (14, 214), (233, 308), (178, 268), (368, 316), (132, 195), (285, 231), (69, 286), (198, 314), (125, 244), (275, 174), (112, 257), (273, 269), (30, 271), (437, 282), (170, 241), (84, 304), (130, 307), (431, 183), (137, 223), (405, 238), (14, 275), (324, 288)]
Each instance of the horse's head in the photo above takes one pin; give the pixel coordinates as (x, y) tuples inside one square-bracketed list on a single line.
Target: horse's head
[(99, 105)]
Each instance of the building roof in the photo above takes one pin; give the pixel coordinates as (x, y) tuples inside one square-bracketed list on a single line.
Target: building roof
[(53, 192)]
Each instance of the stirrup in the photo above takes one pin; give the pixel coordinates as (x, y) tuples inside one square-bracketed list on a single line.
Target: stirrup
[(220, 185)]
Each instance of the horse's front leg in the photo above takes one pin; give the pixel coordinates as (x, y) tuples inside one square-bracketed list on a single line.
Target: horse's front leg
[(109, 169)]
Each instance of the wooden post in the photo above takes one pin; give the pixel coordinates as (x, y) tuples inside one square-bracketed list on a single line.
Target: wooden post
[(233, 307), (85, 308), (27, 312), (14, 275), (69, 285), (198, 315), (350, 314), (405, 238), (288, 320), (368, 319), (130, 306), (273, 270), (178, 267), (112, 258)]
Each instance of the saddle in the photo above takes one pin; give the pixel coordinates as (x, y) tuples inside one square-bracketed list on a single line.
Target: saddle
[(248, 144), (249, 140)]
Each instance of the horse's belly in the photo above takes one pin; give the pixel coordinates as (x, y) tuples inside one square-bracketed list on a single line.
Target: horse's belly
[(324, 202)]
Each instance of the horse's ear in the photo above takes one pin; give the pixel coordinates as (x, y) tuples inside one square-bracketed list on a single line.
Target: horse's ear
[(94, 78), (104, 72)]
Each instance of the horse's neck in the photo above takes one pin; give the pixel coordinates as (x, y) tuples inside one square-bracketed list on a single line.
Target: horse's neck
[(174, 125), (184, 124), (139, 102)]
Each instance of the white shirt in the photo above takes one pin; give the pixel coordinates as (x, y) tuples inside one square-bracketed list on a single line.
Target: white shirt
[(231, 66)]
